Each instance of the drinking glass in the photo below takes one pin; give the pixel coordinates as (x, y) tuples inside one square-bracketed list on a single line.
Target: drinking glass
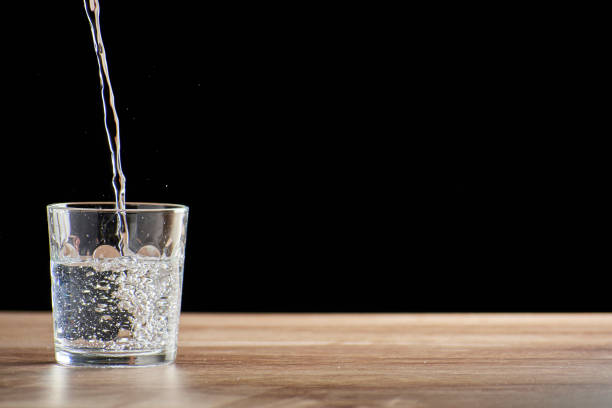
[(116, 280)]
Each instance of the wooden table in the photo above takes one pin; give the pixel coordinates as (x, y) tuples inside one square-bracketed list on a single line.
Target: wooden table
[(308, 360)]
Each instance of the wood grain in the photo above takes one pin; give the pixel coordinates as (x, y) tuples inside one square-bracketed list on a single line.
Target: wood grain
[(304, 360)]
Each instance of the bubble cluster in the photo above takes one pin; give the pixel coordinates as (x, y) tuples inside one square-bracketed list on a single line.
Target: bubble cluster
[(117, 304)]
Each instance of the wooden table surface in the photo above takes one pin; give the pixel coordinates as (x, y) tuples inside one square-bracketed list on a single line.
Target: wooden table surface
[(337, 360)]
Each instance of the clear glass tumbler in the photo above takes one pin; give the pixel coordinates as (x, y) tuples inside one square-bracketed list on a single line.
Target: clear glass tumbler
[(116, 282)]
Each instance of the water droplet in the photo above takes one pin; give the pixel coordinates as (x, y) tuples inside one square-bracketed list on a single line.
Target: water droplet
[(105, 251), (69, 251), (100, 308), (149, 250)]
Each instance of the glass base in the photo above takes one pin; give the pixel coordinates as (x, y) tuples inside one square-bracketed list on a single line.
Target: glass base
[(111, 359)]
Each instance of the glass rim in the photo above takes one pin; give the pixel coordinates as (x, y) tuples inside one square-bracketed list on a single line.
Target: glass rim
[(82, 206)]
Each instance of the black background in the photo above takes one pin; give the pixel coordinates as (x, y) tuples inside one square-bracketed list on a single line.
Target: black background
[(333, 159)]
